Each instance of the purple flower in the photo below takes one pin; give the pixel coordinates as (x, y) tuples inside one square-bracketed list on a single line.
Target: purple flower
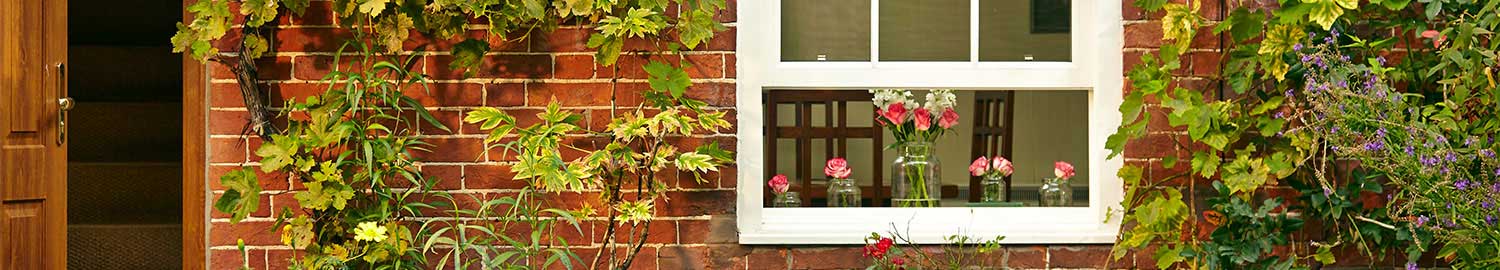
[(1497, 173), (1380, 59), (1461, 184), (1343, 84), (1487, 204), (1468, 141), (1422, 220), (1334, 130), (1489, 219), (1345, 58), (1495, 188), (1410, 151), (1280, 115), (1327, 192), (1288, 93), (1428, 161), (1380, 133), (1487, 153), (1411, 265), (1374, 145), (1297, 47), (1452, 157), (1328, 40)]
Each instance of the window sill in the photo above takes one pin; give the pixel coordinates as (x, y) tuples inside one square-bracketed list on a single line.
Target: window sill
[(1072, 225)]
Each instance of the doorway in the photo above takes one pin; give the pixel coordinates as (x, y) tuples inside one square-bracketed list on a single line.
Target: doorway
[(124, 155)]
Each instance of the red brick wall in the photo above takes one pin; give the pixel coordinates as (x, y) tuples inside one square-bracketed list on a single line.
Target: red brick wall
[(696, 230)]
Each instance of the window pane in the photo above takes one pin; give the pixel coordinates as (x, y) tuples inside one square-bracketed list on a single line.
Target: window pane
[(825, 30), (1044, 127), (1024, 30), (924, 30)]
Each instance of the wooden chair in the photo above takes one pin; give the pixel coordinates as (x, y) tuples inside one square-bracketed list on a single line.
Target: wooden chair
[(993, 117), (835, 132)]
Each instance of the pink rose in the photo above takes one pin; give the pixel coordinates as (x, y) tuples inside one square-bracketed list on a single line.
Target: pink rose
[(977, 168), (779, 184), (1062, 170), (949, 119), (896, 113), (924, 119), (1001, 165), (879, 117), (837, 168)]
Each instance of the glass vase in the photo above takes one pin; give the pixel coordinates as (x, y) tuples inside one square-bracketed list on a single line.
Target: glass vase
[(1056, 192), (787, 199), (994, 188), (843, 193), (916, 175)]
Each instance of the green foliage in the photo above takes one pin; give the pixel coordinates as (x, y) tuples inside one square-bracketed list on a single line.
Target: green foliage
[(1304, 101), (900, 252), (241, 194)]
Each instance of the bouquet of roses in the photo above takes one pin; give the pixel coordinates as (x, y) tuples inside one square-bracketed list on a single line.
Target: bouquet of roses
[(909, 120), (998, 167)]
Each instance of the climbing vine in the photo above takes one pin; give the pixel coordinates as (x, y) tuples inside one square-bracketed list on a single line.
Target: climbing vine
[(356, 146), (1305, 88)]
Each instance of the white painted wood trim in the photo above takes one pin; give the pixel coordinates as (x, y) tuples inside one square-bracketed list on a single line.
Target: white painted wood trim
[(1097, 66)]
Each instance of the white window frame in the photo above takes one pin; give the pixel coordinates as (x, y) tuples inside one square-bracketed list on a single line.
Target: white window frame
[(1097, 44)]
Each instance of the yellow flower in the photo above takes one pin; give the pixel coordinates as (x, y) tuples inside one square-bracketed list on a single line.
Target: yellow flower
[(369, 231)]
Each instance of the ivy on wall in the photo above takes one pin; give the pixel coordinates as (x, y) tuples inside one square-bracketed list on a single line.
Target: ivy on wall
[(352, 146)]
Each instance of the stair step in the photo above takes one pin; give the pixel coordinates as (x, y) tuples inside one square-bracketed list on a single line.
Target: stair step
[(124, 193), (124, 73), (143, 22), (125, 132), (152, 246)]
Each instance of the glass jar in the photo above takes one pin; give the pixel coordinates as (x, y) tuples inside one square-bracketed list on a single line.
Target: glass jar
[(787, 199), (917, 176), (843, 193), (1056, 192), (994, 188)]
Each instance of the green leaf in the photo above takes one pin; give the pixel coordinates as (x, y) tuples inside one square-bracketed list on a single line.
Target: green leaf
[(276, 154), (373, 7), (322, 195), (1325, 12), (609, 48), (667, 78), (241, 194), (698, 28), (255, 46), (1205, 164), (1150, 5), (467, 55), (1245, 174), (1244, 24), (1325, 255), (298, 7), (258, 12), (1165, 257), (712, 149), (693, 161)]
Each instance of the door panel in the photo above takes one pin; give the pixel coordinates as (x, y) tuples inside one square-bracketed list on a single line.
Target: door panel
[(33, 183)]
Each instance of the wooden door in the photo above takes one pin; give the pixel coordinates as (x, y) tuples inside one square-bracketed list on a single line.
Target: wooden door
[(33, 156)]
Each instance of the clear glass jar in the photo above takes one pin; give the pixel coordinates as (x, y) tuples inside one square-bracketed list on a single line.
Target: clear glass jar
[(917, 176), (787, 199), (1056, 192), (994, 188), (843, 193)]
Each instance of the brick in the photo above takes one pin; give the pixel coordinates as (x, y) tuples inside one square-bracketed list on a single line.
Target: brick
[(224, 150), (449, 118), (267, 68), (447, 94), (493, 66), (698, 203), (309, 39), (828, 258), (228, 122), (317, 13), (451, 150), (1089, 256), (683, 258), (659, 232), (1151, 145), (561, 40), (1143, 35), (583, 94), (255, 233), (573, 66), (232, 259), (505, 94), (1026, 257), (731, 64), (443, 177), (485, 176)]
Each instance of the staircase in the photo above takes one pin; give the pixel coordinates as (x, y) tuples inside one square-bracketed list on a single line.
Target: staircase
[(125, 158)]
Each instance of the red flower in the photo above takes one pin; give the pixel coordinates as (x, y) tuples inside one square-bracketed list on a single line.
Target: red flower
[(978, 167), (898, 262), (896, 113), (879, 248), (1437, 37), (924, 119), (837, 168), (949, 119), (1062, 170), (779, 183)]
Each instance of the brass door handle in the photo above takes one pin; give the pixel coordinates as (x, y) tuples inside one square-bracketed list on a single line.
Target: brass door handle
[(64, 103)]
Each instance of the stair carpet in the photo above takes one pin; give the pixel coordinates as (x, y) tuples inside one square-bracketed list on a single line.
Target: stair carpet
[(124, 185)]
